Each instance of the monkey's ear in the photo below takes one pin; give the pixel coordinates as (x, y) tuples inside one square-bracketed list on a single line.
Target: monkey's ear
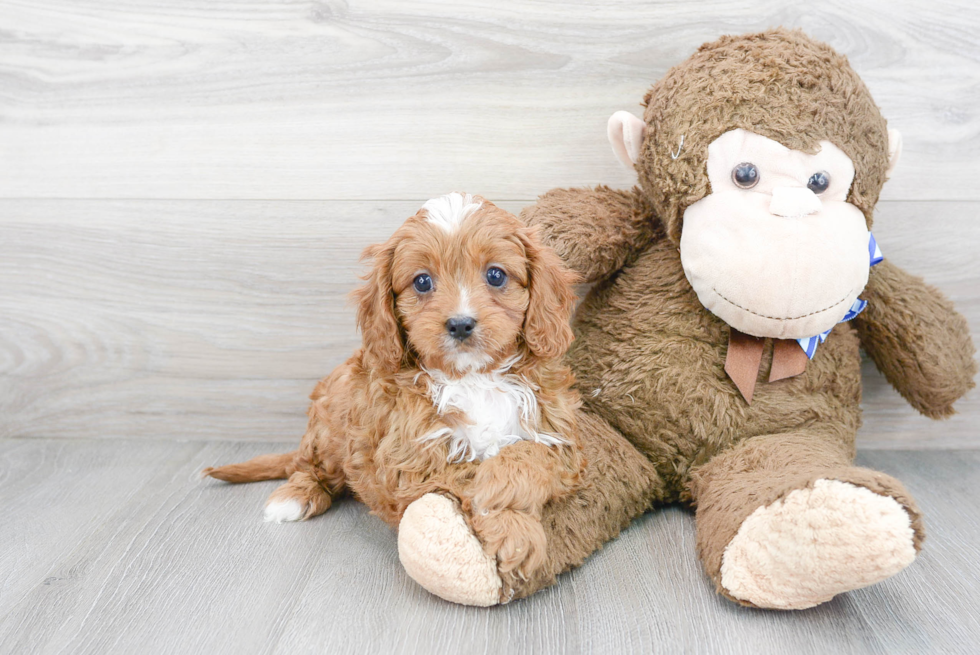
[(625, 133), (894, 149)]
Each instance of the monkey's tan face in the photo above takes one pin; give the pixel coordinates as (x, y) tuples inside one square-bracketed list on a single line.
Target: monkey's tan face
[(775, 250)]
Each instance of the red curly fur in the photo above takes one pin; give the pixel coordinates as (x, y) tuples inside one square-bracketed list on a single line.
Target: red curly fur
[(368, 415)]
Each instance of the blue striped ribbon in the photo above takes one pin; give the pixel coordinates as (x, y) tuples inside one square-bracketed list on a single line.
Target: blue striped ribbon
[(809, 344)]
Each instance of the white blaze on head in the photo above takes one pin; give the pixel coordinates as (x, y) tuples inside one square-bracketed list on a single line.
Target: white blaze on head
[(449, 211), (464, 308)]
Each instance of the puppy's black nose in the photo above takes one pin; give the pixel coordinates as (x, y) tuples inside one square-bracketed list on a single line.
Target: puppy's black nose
[(460, 327)]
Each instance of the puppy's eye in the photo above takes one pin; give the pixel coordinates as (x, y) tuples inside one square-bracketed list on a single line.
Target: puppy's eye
[(745, 175), (496, 277), (422, 283), (819, 182)]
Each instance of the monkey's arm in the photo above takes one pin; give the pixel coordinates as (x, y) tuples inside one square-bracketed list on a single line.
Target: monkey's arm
[(594, 231), (917, 340)]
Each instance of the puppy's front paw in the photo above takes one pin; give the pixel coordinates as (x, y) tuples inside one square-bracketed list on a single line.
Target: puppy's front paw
[(515, 538), (280, 511)]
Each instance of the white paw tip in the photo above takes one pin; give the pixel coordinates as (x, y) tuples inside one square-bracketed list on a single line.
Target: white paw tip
[(283, 510)]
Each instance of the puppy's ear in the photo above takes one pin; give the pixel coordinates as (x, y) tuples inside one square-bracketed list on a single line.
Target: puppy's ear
[(380, 332), (552, 299)]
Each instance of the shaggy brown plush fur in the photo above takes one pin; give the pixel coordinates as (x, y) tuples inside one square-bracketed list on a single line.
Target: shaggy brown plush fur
[(617, 485), (368, 417), (649, 359)]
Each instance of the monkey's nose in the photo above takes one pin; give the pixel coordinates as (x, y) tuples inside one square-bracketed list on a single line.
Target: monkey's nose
[(794, 201), (460, 327)]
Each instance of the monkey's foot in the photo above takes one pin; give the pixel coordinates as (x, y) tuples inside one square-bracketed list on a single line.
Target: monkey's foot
[(816, 543), (441, 553)]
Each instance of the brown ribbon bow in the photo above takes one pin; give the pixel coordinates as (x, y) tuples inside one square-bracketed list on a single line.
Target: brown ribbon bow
[(745, 356)]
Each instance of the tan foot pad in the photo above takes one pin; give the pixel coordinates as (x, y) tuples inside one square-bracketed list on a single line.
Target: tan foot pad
[(441, 553), (816, 543)]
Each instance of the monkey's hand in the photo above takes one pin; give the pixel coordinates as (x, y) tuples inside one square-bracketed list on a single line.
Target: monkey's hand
[(595, 231), (917, 340)]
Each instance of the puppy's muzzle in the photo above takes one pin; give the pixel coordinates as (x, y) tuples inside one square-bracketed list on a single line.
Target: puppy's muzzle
[(460, 327)]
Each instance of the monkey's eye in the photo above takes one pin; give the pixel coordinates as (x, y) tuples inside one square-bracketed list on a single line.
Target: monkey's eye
[(422, 283), (496, 277), (819, 182), (745, 175)]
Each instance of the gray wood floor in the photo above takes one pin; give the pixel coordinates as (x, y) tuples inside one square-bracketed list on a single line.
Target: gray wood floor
[(118, 547)]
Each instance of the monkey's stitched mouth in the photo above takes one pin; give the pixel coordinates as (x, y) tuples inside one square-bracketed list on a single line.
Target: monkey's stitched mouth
[(780, 318)]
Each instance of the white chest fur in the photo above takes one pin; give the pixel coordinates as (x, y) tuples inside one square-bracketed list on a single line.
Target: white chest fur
[(501, 409)]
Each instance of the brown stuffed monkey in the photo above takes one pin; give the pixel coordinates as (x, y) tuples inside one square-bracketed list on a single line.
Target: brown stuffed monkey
[(713, 338), (733, 289)]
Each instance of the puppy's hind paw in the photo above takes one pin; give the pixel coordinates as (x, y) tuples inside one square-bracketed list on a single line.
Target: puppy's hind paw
[(297, 500), (281, 511)]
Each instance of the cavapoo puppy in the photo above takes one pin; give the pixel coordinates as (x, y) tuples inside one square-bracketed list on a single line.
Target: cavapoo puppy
[(458, 389)]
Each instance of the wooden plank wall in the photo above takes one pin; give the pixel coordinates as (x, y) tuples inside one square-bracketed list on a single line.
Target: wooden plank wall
[(185, 186)]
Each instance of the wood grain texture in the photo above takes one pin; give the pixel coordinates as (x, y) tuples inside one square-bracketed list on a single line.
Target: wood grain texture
[(192, 319), (220, 167), (397, 100), (139, 556)]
